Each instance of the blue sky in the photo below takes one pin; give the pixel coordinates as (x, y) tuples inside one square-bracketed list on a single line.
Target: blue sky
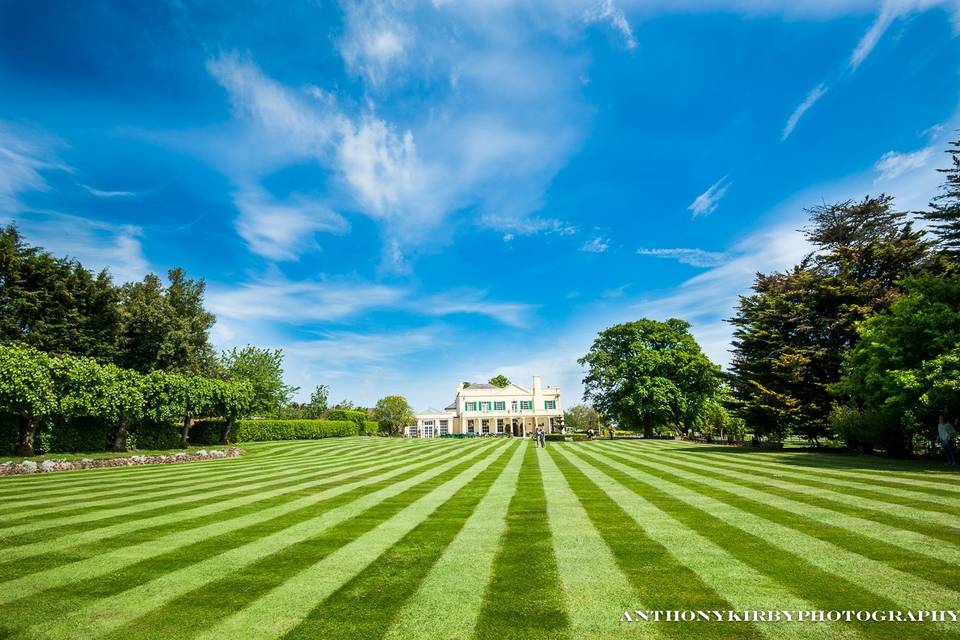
[(403, 195)]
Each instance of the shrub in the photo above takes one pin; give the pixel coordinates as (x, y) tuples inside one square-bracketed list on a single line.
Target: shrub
[(154, 436), (559, 437), (353, 415), (207, 431), (371, 427), (259, 430)]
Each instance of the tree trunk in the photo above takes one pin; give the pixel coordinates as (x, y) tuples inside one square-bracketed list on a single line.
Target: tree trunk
[(28, 430), (120, 437), (225, 436), (647, 428), (186, 432)]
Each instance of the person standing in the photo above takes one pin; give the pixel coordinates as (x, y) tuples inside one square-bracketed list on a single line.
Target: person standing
[(947, 433)]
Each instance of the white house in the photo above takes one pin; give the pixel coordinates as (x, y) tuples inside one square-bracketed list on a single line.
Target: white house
[(484, 409)]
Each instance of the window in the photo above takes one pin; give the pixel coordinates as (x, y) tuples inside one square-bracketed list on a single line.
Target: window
[(484, 406), (428, 429), (444, 427), (412, 432), (526, 405), (513, 405), (549, 404), (485, 427), (470, 406), (471, 426), (499, 425), (500, 405)]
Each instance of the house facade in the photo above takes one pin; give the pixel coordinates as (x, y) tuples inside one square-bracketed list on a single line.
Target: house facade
[(487, 410)]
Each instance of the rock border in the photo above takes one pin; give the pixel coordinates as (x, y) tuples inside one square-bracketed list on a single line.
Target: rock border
[(28, 467)]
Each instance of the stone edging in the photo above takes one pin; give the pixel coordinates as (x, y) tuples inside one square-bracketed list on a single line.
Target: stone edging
[(28, 467)]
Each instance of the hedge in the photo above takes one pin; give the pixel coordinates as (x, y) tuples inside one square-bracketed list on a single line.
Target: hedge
[(258, 430), (370, 426)]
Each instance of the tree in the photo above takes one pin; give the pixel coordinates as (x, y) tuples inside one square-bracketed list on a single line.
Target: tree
[(647, 374), (393, 413), (346, 405), (318, 401), (121, 402), (26, 391), (500, 380), (166, 327), (792, 332), (54, 304), (232, 401), (944, 211), (905, 371), (263, 369), (581, 417)]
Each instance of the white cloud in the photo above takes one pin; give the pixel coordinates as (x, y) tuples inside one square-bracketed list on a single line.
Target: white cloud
[(24, 156), (96, 244), (706, 202), (110, 194), (376, 39), (890, 11), (475, 302), (280, 231), (598, 244), (801, 109), (894, 164), (692, 257), (276, 299), (606, 11)]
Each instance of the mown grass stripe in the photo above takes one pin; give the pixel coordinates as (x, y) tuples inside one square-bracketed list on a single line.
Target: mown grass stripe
[(184, 573), (523, 597), (595, 590), (871, 494), (77, 481), (384, 586), (341, 483), (864, 517), (867, 466), (282, 477), (125, 497), (881, 487), (99, 554), (832, 573), (311, 579), (447, 603), (741, 586)]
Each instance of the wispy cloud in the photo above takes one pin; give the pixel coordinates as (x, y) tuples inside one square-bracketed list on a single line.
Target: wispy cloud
[(598, 244), (277, 299), (894, 164), (96, 244), (801, 109), (110, 194), (24, 156), (475, 302), (706, 202), (692, 257), (606, 11)]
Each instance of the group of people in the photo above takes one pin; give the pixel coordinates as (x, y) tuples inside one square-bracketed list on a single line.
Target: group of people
[(541, 437)]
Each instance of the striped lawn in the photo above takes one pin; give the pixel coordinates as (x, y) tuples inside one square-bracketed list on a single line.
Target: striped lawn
[(485, 539)]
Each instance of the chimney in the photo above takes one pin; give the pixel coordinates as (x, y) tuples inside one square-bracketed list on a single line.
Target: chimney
[(459, 387), (536, 383)]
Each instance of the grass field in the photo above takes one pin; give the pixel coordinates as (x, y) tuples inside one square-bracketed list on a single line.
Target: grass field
[(371, 538)]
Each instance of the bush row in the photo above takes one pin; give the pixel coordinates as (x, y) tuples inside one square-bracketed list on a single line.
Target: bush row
[(71, 403)]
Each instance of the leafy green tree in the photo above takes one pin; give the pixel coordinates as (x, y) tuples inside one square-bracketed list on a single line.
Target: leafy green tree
[(26, 391), (166, 327), (905, 370), (195, 398), (792, 332), (581, 417), (121, 402), (346, 405), (647, 374), (318, 401), (393, 413), (54, 304), (232, 401), (500, 380), (263, 369)]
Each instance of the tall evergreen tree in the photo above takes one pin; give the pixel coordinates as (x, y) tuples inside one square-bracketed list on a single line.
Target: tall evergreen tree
[(791, 334), (944, 211)]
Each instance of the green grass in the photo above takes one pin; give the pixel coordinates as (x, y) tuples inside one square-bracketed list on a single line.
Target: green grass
[(485, 539)]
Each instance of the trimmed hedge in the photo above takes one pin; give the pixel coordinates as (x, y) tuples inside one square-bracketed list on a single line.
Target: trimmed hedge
[(559, 437), (259, 430), (370, 426)]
